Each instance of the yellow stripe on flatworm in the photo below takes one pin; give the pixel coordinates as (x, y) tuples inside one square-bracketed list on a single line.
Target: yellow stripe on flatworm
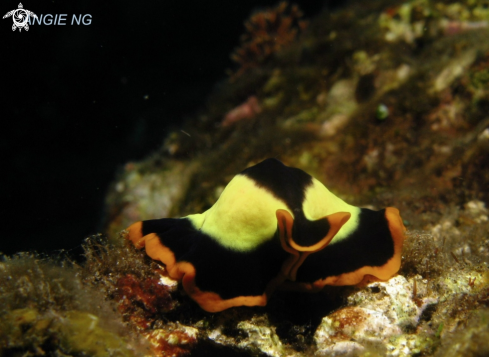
[(320, 202), (243, 217)]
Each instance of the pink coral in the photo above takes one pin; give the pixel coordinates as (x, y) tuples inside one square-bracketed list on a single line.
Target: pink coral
[(246, 110), (456, 27)]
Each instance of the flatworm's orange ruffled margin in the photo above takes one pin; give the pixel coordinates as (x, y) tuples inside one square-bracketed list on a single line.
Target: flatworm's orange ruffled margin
[(211, 301), (300, 253), (185, 272), (365, 274)]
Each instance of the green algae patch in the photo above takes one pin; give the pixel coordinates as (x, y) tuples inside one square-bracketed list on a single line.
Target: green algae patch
[(46, 309), (80, 332), (71, 333)]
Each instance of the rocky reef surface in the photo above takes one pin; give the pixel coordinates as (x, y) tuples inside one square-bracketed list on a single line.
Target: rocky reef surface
[(384, 102)]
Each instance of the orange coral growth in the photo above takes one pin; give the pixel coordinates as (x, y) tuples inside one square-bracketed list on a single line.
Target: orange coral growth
[(267, 32), (141, 299)]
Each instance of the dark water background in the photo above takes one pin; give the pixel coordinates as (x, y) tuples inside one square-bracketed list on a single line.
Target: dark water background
[(80, 101)]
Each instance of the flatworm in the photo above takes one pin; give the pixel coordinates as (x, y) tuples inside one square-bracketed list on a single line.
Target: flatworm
[(273, 226)]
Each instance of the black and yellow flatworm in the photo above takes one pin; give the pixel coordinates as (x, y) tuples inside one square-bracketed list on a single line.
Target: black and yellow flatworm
[(272, 226)]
